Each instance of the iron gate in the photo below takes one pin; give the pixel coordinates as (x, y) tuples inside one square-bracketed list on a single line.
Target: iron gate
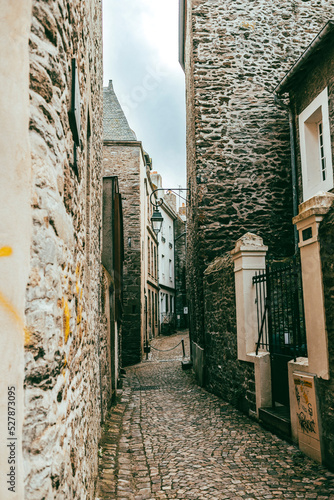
[(281, 324)]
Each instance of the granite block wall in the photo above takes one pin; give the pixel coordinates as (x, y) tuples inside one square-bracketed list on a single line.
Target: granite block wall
[(125, 162), (238, 151), (63, 297)]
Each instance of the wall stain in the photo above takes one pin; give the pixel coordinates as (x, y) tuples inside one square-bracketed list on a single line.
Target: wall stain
[(7, 251)]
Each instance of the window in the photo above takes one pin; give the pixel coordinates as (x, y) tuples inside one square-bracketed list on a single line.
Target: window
[(170, 234), (315, 147), (170, 270), (149, 255), (155, 263), (322, 151), (163, 265)]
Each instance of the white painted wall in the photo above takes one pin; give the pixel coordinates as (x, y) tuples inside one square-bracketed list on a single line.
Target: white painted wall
[(15, 226), (166, 261)]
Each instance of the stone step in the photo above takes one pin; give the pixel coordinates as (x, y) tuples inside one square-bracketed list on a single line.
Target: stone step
[(277, 420)]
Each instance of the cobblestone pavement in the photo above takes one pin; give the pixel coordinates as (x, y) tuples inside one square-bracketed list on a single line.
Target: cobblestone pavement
[(168, 438)]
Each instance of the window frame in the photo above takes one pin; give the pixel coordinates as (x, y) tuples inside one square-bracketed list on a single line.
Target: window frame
[(310, 149)]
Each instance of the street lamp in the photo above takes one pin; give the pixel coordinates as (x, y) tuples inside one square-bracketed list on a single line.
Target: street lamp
[(157, 218)]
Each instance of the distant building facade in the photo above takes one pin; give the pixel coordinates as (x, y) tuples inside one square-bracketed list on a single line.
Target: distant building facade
[(112, 292), (124, 157)]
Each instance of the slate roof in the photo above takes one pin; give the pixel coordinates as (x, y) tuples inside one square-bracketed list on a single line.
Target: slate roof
[(115, 124)]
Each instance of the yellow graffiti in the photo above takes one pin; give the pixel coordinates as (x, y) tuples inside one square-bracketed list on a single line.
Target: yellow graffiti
[(6, 251), (15, 315), (79, 316), (66, 317)]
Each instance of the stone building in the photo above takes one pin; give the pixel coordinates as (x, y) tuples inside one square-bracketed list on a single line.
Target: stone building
[(239, 172), (51, 182), (112, 293), (308, 89), (166, 257), (124, 157)]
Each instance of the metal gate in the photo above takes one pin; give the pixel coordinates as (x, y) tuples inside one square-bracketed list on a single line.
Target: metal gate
[(281, 324)]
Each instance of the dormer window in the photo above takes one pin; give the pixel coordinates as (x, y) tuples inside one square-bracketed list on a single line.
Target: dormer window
[(315, 147)]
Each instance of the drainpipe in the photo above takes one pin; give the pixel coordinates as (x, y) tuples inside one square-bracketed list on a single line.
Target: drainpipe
[(288, 108)]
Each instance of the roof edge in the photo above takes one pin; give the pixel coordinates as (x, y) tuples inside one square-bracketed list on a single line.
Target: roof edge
[(283, 86)]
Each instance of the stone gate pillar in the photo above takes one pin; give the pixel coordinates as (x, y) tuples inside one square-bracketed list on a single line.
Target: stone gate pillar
[(311, 213), (249, 256)]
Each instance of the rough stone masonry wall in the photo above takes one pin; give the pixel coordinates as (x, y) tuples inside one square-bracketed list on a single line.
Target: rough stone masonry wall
[(62, 397), (238, 152), (124, 162), (225, 376), (326, 387), (180, 273)]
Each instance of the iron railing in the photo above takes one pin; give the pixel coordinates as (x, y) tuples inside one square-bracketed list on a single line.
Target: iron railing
[(280, 309)]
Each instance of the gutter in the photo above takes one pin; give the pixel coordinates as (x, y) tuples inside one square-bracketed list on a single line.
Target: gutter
[(292, 118), (182, 32)]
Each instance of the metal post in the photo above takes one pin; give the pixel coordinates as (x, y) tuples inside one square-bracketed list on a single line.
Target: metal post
[(184, 353)]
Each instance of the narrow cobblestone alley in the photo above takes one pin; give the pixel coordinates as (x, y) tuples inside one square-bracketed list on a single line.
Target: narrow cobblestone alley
[(168, 438)]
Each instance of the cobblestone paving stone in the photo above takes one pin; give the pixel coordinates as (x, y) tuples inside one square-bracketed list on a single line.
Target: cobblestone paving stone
[(170, 439)]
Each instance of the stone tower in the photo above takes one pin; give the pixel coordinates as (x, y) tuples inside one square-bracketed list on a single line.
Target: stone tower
[(234, 54)]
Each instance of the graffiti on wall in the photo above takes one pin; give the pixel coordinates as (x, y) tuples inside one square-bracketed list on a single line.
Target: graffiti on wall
[(306, 404), (7, 306)]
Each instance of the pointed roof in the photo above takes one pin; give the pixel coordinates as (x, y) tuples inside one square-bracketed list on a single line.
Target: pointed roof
[(115, 124)]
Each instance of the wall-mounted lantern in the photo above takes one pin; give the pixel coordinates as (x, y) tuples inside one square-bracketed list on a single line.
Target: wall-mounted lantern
[(157, 218), (156, 221)]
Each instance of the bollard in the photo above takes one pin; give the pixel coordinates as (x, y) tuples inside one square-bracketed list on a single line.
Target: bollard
[(184, 353)]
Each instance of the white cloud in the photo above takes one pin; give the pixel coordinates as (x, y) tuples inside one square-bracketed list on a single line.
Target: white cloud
[(141, 57)]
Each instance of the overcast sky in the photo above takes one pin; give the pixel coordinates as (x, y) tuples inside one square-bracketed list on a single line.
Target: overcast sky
[(141, 58)]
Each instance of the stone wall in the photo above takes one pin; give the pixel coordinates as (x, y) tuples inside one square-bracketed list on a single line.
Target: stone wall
[(63, 298), (180, 273), (238, 151), (125, 162), (326, 388), (225, 376)]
